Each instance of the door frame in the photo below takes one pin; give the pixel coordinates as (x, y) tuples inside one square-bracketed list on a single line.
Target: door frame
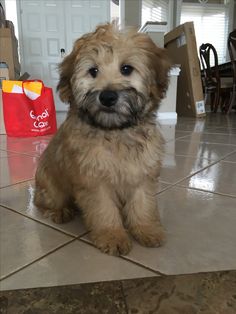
[(20, 39)]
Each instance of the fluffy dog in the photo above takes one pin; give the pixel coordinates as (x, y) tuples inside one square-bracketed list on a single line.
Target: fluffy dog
[(106, 156)]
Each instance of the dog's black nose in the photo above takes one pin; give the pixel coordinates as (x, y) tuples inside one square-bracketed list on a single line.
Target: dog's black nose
[(108, 98)]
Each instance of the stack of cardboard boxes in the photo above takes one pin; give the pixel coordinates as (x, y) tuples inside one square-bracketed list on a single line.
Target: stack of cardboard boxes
[(9, 60)]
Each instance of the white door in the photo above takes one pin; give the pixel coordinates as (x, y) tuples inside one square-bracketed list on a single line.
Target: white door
[(82, 16), (47, 26)]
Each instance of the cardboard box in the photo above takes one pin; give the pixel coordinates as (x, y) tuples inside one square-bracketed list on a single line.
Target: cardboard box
[(9, 24), (9, 52), (182, 49)]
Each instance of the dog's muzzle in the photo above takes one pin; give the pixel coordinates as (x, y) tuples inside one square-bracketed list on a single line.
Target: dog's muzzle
[(108, 98), (112, 109)]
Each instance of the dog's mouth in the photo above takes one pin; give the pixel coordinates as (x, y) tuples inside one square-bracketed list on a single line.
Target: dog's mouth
[(110, 109)]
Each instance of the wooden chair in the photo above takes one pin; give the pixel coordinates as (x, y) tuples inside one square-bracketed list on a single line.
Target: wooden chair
[(215, 94), (232, 54)]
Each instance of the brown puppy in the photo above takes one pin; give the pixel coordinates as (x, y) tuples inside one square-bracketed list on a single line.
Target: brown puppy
[(106, 156)]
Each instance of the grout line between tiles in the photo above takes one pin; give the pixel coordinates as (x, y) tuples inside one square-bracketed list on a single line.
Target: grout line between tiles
[(198, 189), (43, 223), (229, 161), (224, 134), (209, 143), (156, 272), (204, 158), (193, 174), (177, 138), (127, 259), (229, 154), (167, 188), (28, 154), (20, 182), (65, 244), (206, 141), (186, 155), (37, 259), (7, 151), (164, 189), (218, 133)]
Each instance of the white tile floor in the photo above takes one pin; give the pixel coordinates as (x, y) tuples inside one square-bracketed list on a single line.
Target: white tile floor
[(197, 201)]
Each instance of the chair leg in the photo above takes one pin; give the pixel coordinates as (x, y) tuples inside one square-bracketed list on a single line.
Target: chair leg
[(232, 101), (216, 102), (212, 101), (208, 100), (222, 103), (225, 97)]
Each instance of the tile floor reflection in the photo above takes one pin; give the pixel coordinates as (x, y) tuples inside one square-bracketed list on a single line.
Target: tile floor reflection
[(197, 201)]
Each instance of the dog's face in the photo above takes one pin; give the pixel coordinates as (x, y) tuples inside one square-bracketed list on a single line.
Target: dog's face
[(114, 79)]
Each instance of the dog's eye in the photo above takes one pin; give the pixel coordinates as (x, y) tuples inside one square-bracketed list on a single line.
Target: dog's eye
[(93, 72), (126, 69)]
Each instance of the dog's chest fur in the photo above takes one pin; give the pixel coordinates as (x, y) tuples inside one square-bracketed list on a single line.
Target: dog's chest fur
[(120, 156)]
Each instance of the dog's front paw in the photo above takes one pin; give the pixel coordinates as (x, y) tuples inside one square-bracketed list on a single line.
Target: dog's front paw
[(63, 215), (113, 242), (149, 235)]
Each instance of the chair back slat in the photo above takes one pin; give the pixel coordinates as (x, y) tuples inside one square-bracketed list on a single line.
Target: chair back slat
[(209, 61)]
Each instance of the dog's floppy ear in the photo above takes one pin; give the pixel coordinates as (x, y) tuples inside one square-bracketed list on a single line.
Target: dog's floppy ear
[(161, 66), (64, 85), (66, 69), (158, 63)]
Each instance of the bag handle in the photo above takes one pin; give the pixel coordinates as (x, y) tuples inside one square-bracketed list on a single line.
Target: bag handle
[(28, 81)]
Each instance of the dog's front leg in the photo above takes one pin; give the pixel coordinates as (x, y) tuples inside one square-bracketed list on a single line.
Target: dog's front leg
[(103, 219), (142, 216)]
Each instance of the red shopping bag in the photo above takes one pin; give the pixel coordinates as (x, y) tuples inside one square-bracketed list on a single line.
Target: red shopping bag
[(26, 117)]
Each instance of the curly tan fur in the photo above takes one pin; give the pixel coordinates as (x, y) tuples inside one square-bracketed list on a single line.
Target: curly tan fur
[(107, 160)]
